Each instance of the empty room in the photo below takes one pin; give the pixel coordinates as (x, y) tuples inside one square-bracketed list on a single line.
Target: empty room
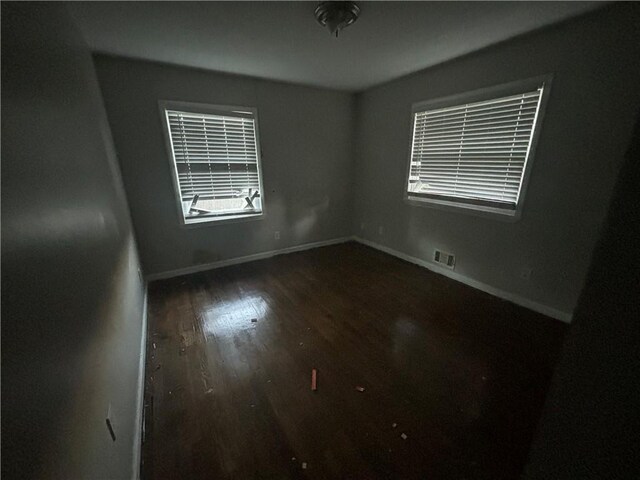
[(324, 240)]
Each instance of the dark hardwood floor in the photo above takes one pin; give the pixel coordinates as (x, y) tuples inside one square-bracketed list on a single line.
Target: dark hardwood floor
[(462, 374)]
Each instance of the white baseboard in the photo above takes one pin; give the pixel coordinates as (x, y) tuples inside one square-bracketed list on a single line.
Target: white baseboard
[(512, 297), (137, 437), (247, 258)]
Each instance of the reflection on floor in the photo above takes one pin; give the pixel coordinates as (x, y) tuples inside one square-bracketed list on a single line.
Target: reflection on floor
[(460, 373)]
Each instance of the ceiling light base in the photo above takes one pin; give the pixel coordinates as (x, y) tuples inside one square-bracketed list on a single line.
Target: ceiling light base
[(336, 15)]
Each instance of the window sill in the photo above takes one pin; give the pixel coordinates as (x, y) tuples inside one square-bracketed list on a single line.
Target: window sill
[(212, 221), (504, 215)]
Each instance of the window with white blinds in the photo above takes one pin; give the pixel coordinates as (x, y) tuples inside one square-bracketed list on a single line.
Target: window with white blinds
[(474, 154), (216, 157)]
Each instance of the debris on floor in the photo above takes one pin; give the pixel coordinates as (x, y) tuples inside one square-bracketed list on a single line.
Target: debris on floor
[(154, 345), (403, 436), (359, 388), (158, 367), (314, 379), (304, 465), (293, 459), (209, 391), (394, 425), (301, 344), (182, 351), (254, 320)]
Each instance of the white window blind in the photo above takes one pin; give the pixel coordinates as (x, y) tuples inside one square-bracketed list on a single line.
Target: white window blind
[(216, 163), (475, 153)]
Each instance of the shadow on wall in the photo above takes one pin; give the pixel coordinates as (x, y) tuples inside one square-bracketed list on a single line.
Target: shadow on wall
[(590, 426)]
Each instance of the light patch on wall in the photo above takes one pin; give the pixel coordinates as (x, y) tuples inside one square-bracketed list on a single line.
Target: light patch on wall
[(41, 227), (418, 245), (303, 227)]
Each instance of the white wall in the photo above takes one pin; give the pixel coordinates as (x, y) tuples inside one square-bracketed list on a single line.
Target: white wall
[(72, 300), (305, 137), (587, 126)]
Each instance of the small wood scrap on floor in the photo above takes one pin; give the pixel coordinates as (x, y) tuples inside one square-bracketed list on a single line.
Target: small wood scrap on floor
[(403, 436), (394, 425), (359, 388), (314, 379), (304, 465)]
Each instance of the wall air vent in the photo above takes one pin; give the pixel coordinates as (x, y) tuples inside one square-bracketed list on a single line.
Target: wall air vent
[(446, 259)]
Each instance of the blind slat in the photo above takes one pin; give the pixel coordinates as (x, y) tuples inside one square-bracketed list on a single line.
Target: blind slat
[(496, 101), (514, 123), (497, 134), (456, 158), (467, 117)]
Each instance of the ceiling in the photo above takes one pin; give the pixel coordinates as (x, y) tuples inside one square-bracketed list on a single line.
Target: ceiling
[(282, 41)]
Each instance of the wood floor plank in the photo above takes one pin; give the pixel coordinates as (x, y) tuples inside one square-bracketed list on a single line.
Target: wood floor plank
[(462, 374)]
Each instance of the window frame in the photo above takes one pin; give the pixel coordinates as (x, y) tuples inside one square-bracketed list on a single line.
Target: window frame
[(482, 94), (205, 108)]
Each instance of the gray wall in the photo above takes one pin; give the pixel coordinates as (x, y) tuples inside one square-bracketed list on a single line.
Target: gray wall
[(72, 299), (589, 429), (306, 144), (588, 122)]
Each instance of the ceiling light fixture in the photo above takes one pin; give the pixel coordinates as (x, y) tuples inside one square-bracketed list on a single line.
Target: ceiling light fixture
[(336, 15)]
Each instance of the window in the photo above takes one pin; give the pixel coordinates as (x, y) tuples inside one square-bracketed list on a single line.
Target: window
[(475, 151), (215, 158)]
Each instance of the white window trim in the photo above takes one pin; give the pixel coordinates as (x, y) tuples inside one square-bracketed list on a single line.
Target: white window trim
[(192, 107), (476, 96)]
